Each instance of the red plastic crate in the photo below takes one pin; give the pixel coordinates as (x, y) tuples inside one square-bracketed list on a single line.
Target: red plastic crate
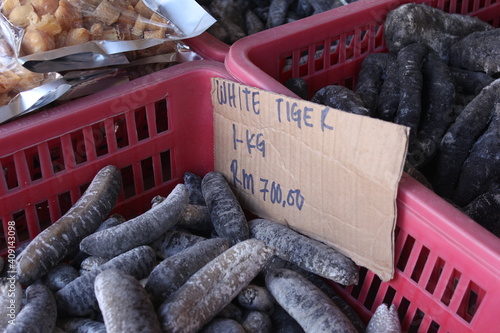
[(153, 129), (447, 266), (336, 41), (208, 47), (447, 269), (157, 127)]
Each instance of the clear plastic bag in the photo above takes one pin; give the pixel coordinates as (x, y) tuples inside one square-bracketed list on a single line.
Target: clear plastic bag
[(20, 89), (63, 49), (83, 34)]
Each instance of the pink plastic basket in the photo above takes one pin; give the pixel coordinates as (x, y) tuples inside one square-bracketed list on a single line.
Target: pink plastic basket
[(208, 47), (153, 129), (447, 269), (447, 266), (328, 48), (157, 127)]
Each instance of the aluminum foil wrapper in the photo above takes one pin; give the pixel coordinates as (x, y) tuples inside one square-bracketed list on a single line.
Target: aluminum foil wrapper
[(74, 84), (69, 72), (88, 82), (33, 99)]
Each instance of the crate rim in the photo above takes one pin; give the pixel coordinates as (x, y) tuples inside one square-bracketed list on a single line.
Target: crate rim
[(209, 46), (459, 231), (20, 130), (238, 54)]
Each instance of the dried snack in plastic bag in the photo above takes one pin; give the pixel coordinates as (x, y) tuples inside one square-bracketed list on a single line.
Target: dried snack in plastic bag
[(13, 77), (46, 27), (20, 89), (61, 35), (26, 101)]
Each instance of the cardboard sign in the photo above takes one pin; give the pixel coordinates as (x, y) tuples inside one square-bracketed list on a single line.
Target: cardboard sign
[(328, 174)]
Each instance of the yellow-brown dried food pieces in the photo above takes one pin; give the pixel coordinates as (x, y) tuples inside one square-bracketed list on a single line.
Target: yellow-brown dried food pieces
[(128, 15), (106, 13), (43, 7), (20, 15), (36, 41), (14, 78), (8, 80), (68, 16), (29, 80), (48, 24), (8, 6), (143, 10), (77, 36), (52, 24), (4, 99)]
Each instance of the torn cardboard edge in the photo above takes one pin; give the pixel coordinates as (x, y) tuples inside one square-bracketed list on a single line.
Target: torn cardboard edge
[(326, 173)]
